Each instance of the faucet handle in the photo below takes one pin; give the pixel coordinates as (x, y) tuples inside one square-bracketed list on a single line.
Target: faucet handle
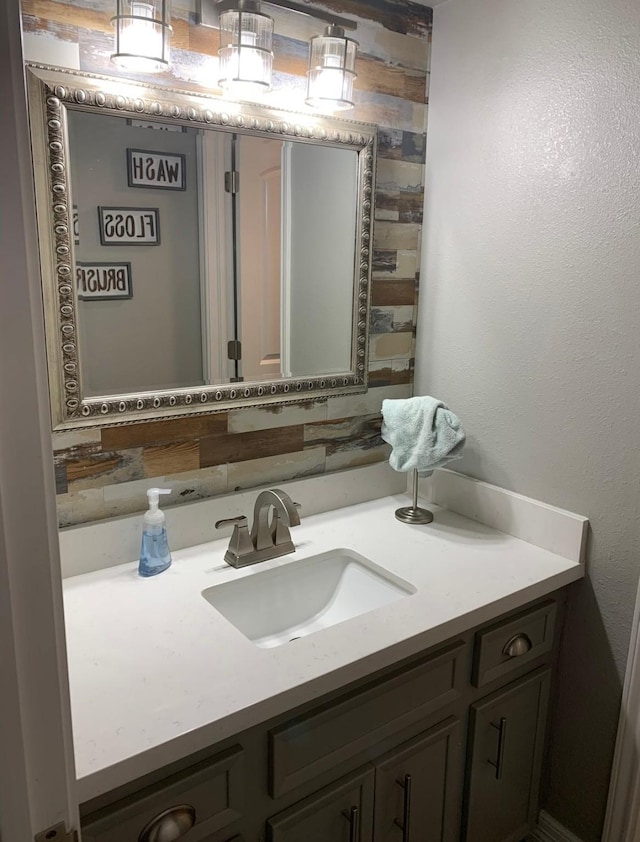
[(231, 521), (240, 543)]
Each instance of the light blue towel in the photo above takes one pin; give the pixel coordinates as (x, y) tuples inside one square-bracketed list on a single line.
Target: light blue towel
[(423, 433)]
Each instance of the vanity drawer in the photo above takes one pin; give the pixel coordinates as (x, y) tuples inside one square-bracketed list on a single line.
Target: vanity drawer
[(209, 794), (301, 750), (513, 642)]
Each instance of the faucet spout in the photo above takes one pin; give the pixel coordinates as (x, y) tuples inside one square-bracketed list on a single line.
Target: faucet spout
[(285, 515)]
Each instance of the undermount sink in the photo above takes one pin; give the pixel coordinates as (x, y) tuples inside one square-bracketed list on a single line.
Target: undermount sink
[(280, 605)]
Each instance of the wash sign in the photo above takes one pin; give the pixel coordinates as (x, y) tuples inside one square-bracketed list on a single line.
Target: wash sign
[(160, 170)]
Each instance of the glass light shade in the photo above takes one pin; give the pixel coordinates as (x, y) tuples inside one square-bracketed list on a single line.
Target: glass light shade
[(332, 62), (246, 59), (142, 35)]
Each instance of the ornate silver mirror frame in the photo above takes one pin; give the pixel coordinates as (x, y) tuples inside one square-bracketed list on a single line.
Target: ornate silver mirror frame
[(51, 91)]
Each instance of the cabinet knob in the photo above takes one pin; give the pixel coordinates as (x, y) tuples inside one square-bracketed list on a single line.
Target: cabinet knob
[(169, 825), (519, 644)]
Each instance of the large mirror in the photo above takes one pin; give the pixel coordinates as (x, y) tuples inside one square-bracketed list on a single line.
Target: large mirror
[(196, 254)]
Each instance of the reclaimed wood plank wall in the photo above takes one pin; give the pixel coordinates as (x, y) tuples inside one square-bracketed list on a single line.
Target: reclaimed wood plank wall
[(104, 472)]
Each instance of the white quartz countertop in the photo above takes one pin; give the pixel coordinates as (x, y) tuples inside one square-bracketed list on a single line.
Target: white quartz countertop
[(156, 673)]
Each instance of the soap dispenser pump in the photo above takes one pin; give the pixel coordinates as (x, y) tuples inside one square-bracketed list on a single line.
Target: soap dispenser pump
[(154, 552)]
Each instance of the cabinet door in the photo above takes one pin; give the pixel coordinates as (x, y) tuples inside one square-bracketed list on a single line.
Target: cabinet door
[(418, 788), (503, 776), (342, 812)]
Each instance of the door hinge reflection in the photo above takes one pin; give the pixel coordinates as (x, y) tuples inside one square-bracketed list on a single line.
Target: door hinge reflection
[(232, 181), (234, 349)]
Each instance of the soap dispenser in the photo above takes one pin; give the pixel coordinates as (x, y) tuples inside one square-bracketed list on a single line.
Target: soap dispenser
[(154, 552)]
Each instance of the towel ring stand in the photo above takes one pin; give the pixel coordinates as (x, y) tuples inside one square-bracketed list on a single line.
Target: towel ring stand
[(413, 513)]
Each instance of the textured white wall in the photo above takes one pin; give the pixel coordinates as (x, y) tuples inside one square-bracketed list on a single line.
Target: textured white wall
[(529, 323)]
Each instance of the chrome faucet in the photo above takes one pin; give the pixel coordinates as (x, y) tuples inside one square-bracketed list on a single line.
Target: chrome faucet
[(267, 539)]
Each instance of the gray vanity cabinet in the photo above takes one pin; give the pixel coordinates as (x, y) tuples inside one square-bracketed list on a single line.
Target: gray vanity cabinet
[(506, 746), (340, 813), (417, 788), (446, 746)]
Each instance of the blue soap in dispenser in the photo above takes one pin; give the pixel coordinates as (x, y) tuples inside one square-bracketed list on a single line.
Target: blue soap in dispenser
[(154, 552)]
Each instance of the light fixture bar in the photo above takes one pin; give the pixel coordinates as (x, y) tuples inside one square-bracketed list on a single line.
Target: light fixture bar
[(208, 12)]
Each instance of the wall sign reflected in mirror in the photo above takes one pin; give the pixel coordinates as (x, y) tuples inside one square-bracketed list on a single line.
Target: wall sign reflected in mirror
[(148, 168), (75, 226), (257, 290), (128, 226), (103, 281)]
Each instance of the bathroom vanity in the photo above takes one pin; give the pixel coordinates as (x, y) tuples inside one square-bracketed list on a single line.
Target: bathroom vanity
[(423, 718), (453, 738)]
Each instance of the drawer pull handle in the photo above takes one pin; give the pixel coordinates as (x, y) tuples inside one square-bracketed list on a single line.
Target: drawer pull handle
[(405, 783), (353, 817), (169, 825), (502, 741), (519, 644)]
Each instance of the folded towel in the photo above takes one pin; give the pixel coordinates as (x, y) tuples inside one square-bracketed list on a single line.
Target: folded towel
[(423, 433)]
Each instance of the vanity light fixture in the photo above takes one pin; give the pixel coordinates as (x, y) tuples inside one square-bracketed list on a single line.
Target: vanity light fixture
[(142, 35), (246, 57), (332, 63)]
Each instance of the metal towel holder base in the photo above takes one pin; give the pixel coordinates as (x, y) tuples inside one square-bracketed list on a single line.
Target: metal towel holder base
[(413, 513)]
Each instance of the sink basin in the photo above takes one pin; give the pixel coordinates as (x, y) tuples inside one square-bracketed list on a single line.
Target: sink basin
[(281, 605)]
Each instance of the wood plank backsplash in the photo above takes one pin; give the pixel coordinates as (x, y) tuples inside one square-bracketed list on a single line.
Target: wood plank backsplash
[(105, 472)]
